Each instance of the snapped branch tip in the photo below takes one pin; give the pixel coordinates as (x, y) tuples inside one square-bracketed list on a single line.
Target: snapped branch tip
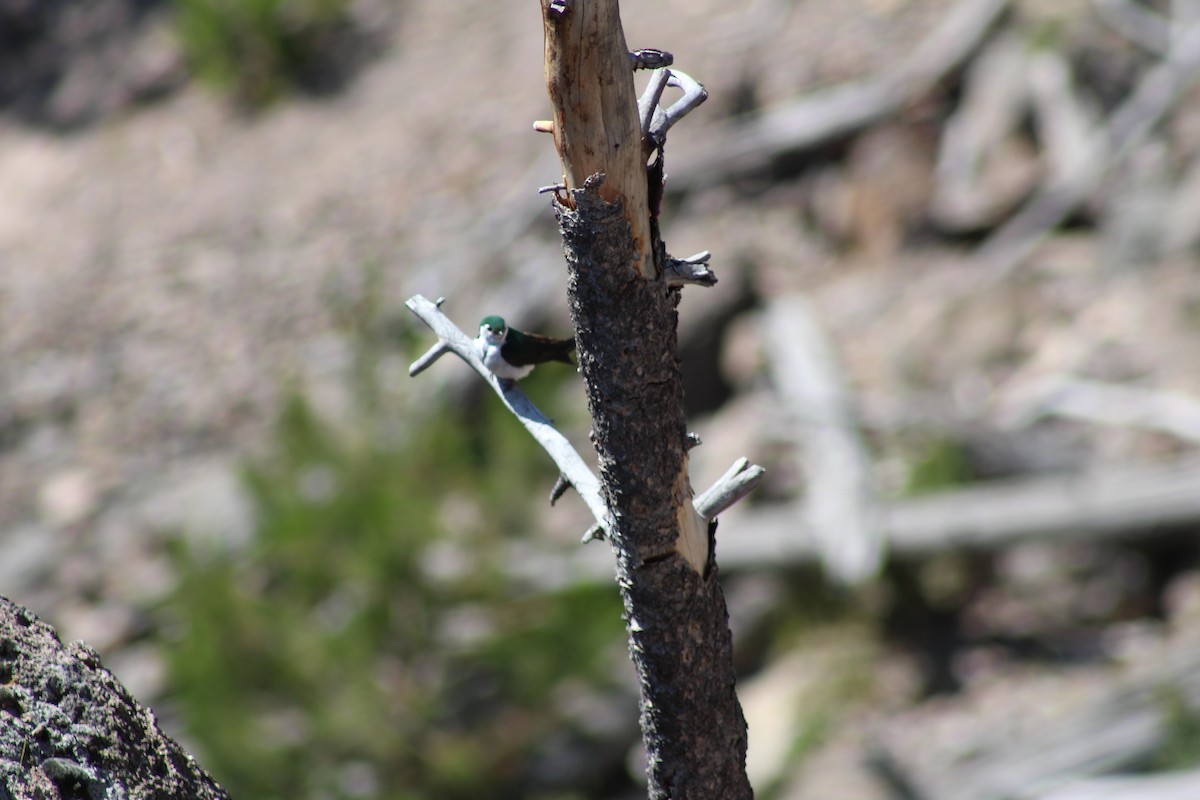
[(693, 270), (560, 488), (737, 482)]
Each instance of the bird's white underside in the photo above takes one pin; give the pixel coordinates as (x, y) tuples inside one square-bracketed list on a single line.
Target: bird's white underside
[(488, 347)]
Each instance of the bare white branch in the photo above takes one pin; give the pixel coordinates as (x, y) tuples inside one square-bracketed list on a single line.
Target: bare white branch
[(431, 355), (731, 487), (1107, 404), (571, 466), (648, 102), (1139, 24), (747, 146), (693, 95)]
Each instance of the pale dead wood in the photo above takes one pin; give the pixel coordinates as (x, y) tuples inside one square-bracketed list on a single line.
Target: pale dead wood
[(1173, 413), (1003, 85), (1103, 503), (452, 340), (839, 504), (1062, 119), (1119, 730), (1136, 22), (1122, 502), (1159, 90), (1155, 786), (735, 484), (972, 191), (596, 126), (746, 147), (1183, 223)]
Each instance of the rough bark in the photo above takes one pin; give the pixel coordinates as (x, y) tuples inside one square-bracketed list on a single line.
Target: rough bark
[(679, 636), (625, 327), (69, 729)]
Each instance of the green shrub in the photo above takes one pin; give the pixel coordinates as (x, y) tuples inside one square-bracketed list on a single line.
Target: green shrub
[(259, 49), (941, 464), (329, 660)]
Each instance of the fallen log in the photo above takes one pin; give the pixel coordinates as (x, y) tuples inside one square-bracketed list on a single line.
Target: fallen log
[(1114, 502)]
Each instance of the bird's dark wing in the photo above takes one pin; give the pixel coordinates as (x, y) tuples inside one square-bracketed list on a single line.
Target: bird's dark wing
[(523, 349)]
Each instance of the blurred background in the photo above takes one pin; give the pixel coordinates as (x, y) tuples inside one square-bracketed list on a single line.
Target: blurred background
[(957, 317)]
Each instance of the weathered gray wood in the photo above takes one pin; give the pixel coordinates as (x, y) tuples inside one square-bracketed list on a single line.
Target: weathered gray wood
[(1103, 503), (69, 729), (1156, 786), (1136, 22), (1119, 729), (840, 509), (1108, 503), (1110, 144), (735, 484), (570, 465), (1063, 395), (750, 146)]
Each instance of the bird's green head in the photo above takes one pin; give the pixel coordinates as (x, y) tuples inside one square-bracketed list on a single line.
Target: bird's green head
[(493, 323), (493, 326)]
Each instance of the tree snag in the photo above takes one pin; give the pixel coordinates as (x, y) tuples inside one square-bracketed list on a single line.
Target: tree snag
[(624, 312)]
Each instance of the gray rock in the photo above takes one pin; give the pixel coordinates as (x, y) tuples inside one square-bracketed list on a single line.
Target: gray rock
[(68, 728)]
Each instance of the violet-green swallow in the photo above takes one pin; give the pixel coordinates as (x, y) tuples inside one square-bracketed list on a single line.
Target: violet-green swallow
[(512, 354)]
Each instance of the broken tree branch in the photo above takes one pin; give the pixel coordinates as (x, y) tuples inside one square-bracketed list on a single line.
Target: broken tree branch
[(452, 340), (1136, 22), (594, 119), (731, 487), (1181, 785), (574, 473), (1173, 413), (1109, 503)]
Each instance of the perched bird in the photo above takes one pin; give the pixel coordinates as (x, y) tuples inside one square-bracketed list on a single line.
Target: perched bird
[(510, 353)]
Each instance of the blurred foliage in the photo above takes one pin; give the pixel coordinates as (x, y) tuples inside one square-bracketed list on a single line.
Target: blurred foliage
[(1180, 748), (259, 49), (940, 464), (366, 642)]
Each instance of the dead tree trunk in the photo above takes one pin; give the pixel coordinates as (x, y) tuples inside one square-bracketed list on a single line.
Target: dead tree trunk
[(625, 323)]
